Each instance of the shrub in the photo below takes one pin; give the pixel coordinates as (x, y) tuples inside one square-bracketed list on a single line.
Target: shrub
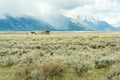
[(53, 68), (102, 63), (97, 45), (28, 72), (7, 62), (106, 60), (114, 73), (81, 66), (4, 52), (39, 71)]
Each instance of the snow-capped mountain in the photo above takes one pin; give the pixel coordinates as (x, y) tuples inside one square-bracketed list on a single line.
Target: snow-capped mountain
[(117, 25), (27, 23), (58, 23), (61, 22), (93, 23), (87, 18)]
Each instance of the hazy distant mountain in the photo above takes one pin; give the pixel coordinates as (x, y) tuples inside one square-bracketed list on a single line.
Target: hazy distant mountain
[(29, 23), (23, 23), (93, 23), (64, 23), (118, 28), (96, 24)]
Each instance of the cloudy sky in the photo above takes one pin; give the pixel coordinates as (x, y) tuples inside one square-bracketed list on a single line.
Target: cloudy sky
[(108, 10)]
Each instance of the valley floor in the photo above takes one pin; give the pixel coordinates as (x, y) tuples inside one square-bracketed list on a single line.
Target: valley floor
[(60, 56)]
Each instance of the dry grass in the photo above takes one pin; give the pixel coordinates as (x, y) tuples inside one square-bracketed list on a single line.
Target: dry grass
[(69, 35), (80, 53)]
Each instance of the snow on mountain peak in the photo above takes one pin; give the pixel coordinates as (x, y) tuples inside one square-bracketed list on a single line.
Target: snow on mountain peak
[(84, 18)]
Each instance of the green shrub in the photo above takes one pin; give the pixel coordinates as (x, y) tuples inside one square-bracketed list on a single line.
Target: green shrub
[(106, 60), (53, 68), (39, 71), (103, 62), (81, 66), (7, 62), (114, 72), (28, 72), (97, 45)]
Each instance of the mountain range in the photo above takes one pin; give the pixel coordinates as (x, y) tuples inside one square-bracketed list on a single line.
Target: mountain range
[(23, 24), (94, 23), (58, 23)]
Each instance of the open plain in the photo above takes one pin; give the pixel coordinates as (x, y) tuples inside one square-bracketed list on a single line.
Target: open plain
[(60, 56)]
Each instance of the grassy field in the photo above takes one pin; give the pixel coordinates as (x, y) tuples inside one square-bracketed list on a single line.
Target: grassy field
[(60, 56)]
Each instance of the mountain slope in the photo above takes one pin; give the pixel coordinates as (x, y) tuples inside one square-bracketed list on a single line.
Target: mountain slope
[(23, 23), (64, 23), (56, 23), (27, 23), (95, 24)]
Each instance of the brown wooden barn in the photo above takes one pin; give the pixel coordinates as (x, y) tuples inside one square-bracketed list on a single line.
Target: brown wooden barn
[(46, 32)]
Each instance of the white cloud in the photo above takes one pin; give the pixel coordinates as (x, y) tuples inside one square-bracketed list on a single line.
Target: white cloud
[(37, 7), (103, 9), (67, 4), (15, 7), (107, 10)]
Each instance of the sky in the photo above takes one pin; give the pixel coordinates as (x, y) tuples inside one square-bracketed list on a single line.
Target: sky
[(108, 10)]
